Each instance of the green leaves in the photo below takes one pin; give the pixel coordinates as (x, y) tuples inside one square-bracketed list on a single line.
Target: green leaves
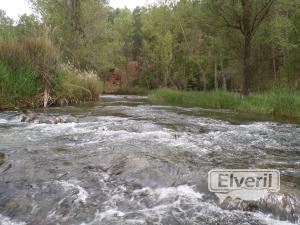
[(180, 42)]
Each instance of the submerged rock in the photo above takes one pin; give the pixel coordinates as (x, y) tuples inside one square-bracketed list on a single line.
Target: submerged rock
[(11, 205), (30, 117), (96, 168), (2, 158), (60, 149), (281, 205)]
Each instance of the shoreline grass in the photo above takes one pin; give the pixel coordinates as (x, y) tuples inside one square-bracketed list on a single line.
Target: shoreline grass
[(278, 103), (129, 91)]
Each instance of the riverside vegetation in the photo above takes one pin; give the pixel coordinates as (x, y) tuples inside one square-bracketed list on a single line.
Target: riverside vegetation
[(277, 102), (32, 76), (194, 47), (123, 160)]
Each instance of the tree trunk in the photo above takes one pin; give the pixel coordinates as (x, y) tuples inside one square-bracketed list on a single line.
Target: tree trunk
[(247, 66), (76, 16), (247, 31), (274, 63), (46, 97), (216, 75), (204, 82), (224, 82), (166, 77), (202, 75), (223, 75)]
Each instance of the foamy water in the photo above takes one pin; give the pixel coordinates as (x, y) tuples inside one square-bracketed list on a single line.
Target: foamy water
[(127, 162), (7, 221)]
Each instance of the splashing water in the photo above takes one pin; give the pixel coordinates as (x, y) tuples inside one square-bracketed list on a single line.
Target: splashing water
[(124, 161)]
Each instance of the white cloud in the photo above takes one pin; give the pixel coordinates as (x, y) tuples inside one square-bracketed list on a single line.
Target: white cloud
[(130, 4), (15, 8)]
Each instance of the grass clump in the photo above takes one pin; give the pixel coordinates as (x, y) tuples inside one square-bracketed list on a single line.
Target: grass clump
[(215, 99), (73, 85), (278, 102)]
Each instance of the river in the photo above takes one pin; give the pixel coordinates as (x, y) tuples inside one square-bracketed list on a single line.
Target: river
[(126, 161)]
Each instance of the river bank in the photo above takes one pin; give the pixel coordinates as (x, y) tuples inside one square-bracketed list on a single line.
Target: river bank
[(276, 103)]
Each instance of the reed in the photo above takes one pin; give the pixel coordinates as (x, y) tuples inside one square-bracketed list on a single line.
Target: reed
[(278, 102)]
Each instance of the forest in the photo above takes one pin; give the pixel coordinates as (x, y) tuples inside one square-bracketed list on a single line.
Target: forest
[(241, 46), (176, 112)]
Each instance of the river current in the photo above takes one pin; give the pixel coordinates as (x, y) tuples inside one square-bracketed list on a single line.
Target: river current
[(126, 161)]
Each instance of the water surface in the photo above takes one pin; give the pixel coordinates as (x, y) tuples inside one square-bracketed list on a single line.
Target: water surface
[(125, 161)]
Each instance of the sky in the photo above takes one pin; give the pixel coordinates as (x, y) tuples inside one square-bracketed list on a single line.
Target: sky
[(15, 8), (130, 4)]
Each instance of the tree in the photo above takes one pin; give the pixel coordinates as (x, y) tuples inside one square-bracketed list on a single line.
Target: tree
[(245, 16), (79, 29), (243, 45), (137, 36), (166, 55), (29, 25)]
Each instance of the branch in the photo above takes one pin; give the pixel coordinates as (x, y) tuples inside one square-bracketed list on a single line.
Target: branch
[(221, 12), (261, 15)]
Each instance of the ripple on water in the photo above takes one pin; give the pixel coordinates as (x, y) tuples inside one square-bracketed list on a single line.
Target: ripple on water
[(172, 205), (7, 221), (155, 161), (81, 196)]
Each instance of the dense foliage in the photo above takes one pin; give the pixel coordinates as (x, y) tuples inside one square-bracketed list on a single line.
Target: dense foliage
[(241, 45), (246, 45), (31, 69)]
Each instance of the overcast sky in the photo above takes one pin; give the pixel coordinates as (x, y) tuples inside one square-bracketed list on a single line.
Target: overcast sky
[(15, 8)]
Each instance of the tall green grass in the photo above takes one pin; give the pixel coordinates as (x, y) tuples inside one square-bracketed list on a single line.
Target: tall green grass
[(29, 66), (279, 102), (18, 86), (276, 102), (36, 54)]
